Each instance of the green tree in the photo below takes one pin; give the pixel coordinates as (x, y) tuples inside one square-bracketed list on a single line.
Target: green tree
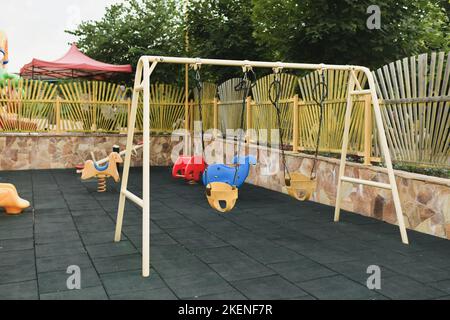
[(222, 29), (335, 31), (131, 29)]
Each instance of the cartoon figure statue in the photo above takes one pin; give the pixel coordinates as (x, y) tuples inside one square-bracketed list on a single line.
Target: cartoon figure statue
[(5, 77), (3, 50)]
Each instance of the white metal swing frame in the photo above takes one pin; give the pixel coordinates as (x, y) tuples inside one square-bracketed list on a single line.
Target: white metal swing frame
[(145, 68)]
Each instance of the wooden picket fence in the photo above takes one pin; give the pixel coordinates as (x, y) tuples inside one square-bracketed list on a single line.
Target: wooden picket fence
[(415, 101), (36, 106)]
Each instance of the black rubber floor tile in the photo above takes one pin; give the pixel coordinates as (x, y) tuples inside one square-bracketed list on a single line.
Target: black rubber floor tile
[(92, 293), (230, 295), (268, 288), (404, 288), (384, 257), (168, 252), (171, 223), (56, 237), (110, 249), (54, 227), (184, 265), (130, 281), (57, 211), (195, 285), (50, 204), (192, 232), (338, 288), (17, 273), (61, 263), (218, 255), (16, 244), (443, 285), (438, 259), (57, 218), (118, 263), (244, 268), (12, 258), (98, 237), (266, 252), (155, 294), (284, 235), (56, 281), (301, 270), (421, 271), (59, 249), (16, 233), (26, 290), (208, 241), (348, 244), (358, 270)]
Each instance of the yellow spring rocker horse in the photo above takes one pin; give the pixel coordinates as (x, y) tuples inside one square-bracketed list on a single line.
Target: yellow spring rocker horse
[(93, 170)]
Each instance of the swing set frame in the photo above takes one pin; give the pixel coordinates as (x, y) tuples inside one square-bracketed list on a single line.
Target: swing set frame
[(145, 68)]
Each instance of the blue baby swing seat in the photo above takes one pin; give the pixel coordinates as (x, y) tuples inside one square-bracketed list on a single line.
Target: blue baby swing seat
[(227, 174)]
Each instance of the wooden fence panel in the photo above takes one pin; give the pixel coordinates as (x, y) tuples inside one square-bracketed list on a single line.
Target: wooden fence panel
[(230, 106), (27, 106), (415, 105), (333, 113), (263, 112)]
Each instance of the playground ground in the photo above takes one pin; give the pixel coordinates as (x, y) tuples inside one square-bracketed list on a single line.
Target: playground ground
[(269, 247)]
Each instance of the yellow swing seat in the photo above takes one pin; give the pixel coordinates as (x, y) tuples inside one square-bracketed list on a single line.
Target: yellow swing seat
[(219, 193), (300, 187)]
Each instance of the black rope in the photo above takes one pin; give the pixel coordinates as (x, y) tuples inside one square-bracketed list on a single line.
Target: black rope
[(274, 97), (244, 85), (199, 87), (324, 94)]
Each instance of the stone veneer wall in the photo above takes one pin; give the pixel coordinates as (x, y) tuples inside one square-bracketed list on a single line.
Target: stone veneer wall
[(425, 200), (50, 151)]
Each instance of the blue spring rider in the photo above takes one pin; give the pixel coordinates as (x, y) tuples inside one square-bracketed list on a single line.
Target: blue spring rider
[(227, 174)]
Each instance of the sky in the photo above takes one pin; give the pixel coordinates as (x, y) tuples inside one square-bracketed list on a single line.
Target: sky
[(35, 28)]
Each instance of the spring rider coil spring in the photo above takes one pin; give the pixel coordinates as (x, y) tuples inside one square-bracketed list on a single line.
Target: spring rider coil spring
[(101, 180)]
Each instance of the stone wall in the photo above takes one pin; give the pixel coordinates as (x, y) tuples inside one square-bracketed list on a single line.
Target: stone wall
[(425, 200), (50, 151)]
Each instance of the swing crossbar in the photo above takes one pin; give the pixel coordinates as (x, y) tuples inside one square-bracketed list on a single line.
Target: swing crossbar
[(145, 68), (360, 92), (133, 198), (367, 183)]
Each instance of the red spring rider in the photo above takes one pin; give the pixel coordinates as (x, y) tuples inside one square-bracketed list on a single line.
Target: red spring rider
[(191, 168)]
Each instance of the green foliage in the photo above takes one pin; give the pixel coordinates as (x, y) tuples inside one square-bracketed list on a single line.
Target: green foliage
[(131, 29), (222, 29), (429, 171), (336, 32), (331, 31)]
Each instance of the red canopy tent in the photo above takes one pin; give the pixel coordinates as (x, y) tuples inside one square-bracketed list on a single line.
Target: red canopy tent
[(74, 64)]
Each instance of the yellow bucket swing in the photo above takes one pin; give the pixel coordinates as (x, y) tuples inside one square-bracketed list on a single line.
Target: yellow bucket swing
[(223, 195), (299, 186)]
